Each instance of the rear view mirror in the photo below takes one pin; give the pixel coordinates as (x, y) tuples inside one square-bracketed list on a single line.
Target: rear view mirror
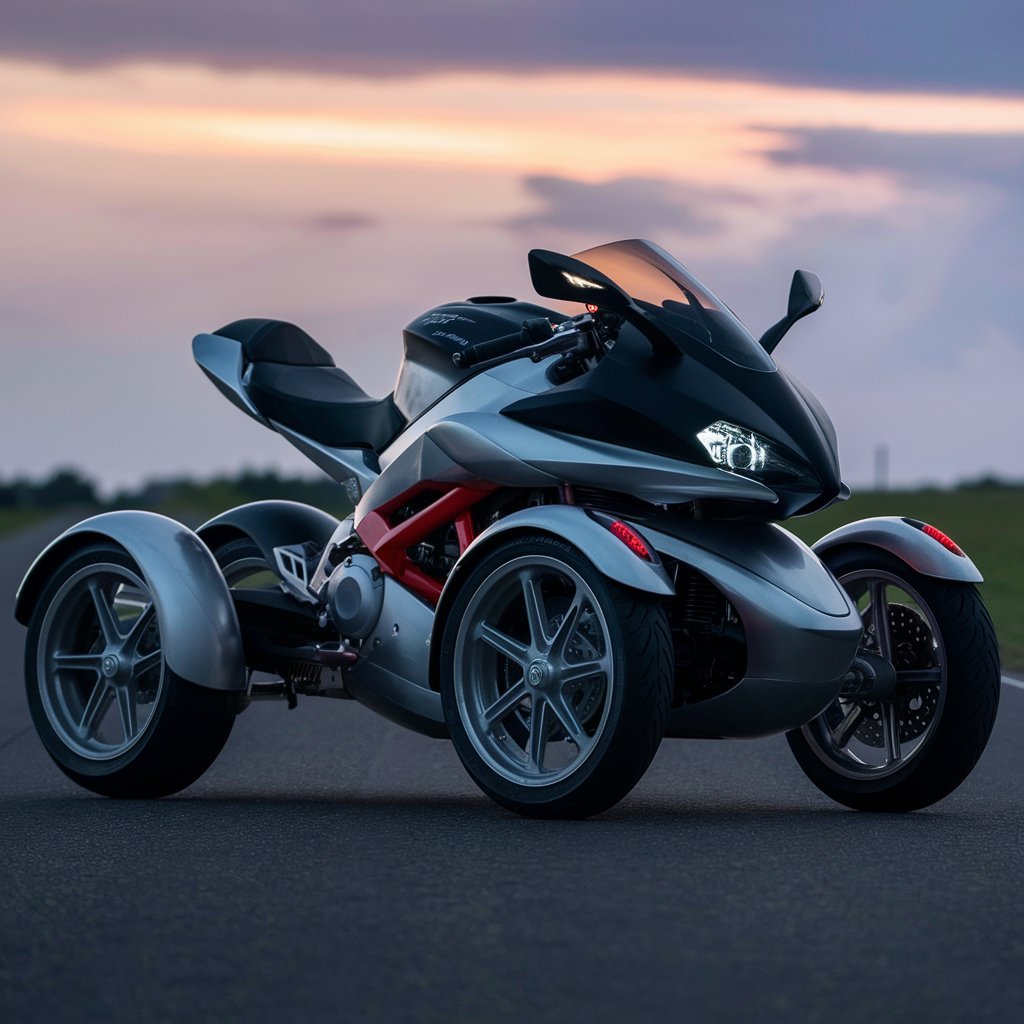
[(805, 296), (562, 277)]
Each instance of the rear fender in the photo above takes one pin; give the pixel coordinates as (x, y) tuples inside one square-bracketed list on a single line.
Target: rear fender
[(908, 542), (270, 524), (199, 629), (609, 555)]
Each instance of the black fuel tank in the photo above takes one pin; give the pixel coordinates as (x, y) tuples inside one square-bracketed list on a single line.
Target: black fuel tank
[(427, 371)]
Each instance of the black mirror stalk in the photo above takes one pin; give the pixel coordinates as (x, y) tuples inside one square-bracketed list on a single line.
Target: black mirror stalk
[(805, 296)]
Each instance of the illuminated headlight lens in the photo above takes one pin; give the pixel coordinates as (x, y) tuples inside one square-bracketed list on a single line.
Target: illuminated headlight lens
[(742, 451)]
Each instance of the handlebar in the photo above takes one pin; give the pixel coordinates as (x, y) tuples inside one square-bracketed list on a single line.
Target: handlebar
[(533, 331)]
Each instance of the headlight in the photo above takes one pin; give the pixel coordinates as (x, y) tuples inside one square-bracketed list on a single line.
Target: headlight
[(742, 451)]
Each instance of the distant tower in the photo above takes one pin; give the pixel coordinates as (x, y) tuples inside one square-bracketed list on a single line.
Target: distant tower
[(882, 467)]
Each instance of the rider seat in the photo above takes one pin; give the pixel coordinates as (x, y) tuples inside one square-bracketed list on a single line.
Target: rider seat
[(293, 381)]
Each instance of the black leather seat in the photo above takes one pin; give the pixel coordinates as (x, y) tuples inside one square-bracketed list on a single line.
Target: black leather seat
[(294, 381)]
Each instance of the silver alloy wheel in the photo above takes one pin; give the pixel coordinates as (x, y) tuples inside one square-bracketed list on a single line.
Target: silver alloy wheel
[(99, 664), (534, 675), (875, 739)]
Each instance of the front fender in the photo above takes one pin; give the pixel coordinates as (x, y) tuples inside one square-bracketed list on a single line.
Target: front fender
[(908, 542), (199, 629), (609, 555), (270, 524)]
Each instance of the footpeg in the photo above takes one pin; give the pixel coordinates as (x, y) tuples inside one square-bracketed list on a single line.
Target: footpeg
[(336, 655)]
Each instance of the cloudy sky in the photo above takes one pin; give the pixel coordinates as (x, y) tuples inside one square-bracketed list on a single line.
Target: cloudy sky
[(166, 168)]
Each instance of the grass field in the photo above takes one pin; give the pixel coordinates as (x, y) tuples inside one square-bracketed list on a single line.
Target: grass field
[(985, 521), (13, 519)]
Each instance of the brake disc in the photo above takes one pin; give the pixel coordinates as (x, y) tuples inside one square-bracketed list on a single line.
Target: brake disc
[(913, 647), (586, 645)]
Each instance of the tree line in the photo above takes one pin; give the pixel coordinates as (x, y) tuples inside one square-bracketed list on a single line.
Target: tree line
[(69, 487)]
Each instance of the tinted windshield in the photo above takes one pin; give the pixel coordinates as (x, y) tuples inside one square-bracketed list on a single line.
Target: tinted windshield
[(661, 285)]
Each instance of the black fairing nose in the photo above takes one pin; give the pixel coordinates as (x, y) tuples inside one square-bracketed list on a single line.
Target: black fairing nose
[(819, 444)]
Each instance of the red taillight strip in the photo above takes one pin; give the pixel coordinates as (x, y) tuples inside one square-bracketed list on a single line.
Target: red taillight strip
[(946, 541), (631, 539)]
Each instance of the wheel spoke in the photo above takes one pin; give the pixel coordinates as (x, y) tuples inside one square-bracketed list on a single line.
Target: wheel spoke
[(139, 626), (535, 614), (540, 719), (510, 699), (568, 626), (144, 662), (845, 729), (891, 729), (570, 722), (574, 672), (126, 706), (95, 708), (112, 635), (77, 662), (880, 617), (503, 644), (918, 676)]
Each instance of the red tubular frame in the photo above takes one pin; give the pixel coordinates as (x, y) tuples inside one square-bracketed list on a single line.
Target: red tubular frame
[(389, 542)]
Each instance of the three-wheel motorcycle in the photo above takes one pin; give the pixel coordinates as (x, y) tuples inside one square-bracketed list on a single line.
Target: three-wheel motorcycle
[(564, 548)]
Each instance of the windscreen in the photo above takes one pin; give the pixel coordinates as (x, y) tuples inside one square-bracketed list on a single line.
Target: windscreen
[(660, 285)]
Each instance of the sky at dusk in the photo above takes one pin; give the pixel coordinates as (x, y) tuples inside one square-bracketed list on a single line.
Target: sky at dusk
[(165, 169)]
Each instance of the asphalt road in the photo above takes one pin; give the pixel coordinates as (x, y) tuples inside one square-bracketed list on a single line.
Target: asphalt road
[(331, 866)]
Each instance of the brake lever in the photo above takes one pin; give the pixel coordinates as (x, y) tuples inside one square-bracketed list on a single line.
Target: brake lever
[(555, 344), (576, 330)]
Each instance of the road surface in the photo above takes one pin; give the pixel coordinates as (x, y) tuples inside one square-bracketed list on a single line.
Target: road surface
[(331, 866)]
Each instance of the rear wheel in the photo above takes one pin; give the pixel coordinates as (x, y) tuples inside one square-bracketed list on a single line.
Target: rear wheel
[(244, 565), (556, 682), (914, 746), (109, 710)]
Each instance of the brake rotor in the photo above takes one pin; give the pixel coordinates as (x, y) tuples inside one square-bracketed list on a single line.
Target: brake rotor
[(586, 646), (913, 647)]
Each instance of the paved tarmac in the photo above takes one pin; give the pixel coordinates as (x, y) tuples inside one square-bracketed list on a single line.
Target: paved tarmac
[(331, 866)]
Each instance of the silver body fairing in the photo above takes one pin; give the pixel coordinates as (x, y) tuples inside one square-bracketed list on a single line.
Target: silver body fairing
[(199, 630), (477, 441), (802, 630), (392, 674)]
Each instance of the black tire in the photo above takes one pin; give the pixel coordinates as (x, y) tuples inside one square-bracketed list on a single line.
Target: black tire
[(240, 559), (186, 727), (632, 641), (965, 704)]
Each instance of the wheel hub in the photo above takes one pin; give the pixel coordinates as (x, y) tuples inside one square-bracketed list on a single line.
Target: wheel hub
[(110, 666), (538, 674)]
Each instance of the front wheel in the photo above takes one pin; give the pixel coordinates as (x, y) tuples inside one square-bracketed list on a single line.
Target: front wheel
[(916, 744), (556, 682), (108, 708)]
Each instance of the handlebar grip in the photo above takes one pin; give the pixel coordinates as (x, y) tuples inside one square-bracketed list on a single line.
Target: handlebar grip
[(534, 330), (485, 350)]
